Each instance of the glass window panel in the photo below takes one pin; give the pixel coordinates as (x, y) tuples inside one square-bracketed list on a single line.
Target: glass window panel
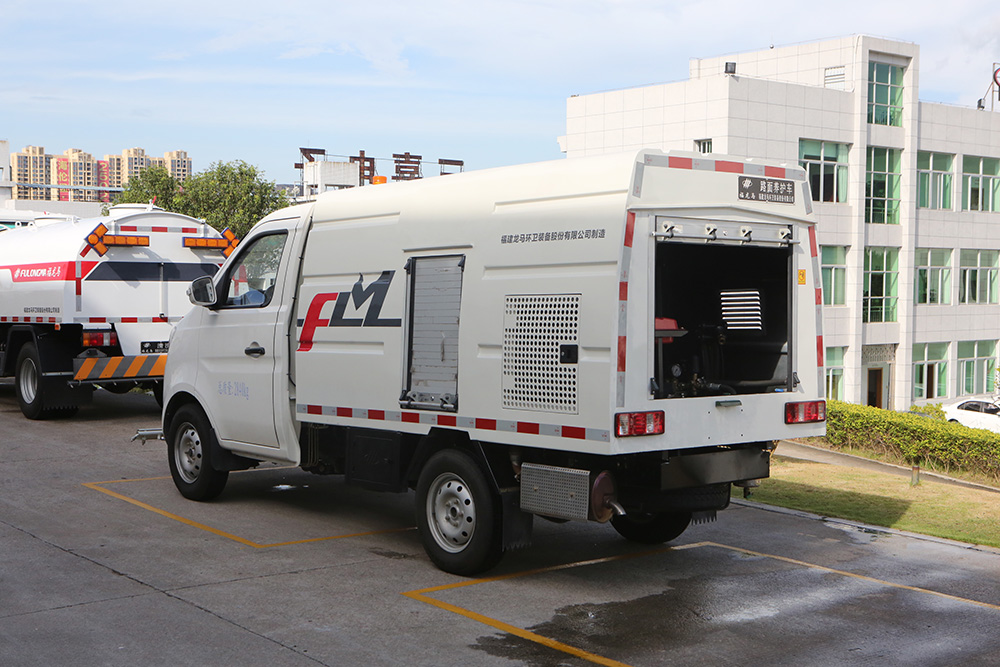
[(923, 160), (937, 351), (879, 159), (970, 165), (991, 166), (942, 162), (810, 149)]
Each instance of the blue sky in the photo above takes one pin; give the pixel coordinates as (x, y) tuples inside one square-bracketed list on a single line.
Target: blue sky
[(485, 81)]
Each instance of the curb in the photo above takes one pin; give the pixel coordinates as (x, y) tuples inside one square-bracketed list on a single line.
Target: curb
[(864, 526)]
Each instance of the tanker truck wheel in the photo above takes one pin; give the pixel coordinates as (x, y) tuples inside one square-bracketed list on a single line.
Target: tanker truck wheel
[(189, 441), (653, 527), (28, 382), (458, 514), (32, 389)]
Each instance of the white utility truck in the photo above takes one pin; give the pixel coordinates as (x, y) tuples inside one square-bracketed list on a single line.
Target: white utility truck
[(607, 338), (92, 302)]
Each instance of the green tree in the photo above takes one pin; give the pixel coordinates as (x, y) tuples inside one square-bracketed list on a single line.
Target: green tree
[(149, 184), (230, 194)]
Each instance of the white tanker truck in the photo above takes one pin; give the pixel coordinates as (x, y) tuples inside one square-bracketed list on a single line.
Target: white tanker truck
[(93, 301)]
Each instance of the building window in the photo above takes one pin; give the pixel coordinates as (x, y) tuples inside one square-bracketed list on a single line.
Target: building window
[(885, 94), (835, 373), (977, 367), (834, 265), (980, 184), (934, 180), (703, 145), (882, 186), (826, 168), (881, 284), (930, 370), (978, 276), (933, 284)]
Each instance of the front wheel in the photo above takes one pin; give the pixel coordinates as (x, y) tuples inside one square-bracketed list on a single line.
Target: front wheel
[(189, 442), (653, 527), (457, 513)]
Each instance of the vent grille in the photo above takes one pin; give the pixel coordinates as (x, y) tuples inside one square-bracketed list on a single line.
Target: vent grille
[(741, 310), (534, 328)]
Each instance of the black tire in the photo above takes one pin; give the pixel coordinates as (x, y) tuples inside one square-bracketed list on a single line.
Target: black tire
[(28, 383), (190, 439), (458, 514), (652, 528)]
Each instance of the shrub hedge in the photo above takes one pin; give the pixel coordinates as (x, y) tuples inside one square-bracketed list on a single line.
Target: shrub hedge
[(921, 440)]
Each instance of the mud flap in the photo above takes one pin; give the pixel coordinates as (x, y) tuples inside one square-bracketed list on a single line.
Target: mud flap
[(517, 525)]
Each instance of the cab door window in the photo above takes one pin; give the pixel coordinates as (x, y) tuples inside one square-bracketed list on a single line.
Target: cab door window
[(249, 283)]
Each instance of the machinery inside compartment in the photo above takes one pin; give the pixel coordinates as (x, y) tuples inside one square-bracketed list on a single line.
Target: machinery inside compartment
[(722, 315)]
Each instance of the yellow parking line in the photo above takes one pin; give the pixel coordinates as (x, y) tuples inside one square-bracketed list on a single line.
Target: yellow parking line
[(422, 594), (170, 515), (99, 486)]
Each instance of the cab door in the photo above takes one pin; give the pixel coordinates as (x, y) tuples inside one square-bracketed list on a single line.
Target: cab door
[(239, 352)]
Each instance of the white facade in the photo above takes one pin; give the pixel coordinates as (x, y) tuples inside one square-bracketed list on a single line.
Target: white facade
[(925, 329)]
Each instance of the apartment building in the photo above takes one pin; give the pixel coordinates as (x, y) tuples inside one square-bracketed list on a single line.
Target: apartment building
[(38, 175), (906, 195)]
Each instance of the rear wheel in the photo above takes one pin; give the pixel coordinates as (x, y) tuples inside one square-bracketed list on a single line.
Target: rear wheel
[(28, 382), (457, 513), (190, 440), (651, 528)]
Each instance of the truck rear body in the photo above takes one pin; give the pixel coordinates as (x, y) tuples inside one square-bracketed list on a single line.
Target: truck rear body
[(615, 336)]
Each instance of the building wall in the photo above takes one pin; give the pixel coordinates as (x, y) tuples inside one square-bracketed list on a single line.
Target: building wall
[(819, 91)]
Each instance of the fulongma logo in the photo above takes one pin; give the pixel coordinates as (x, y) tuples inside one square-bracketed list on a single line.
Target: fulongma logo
[(373, 296)]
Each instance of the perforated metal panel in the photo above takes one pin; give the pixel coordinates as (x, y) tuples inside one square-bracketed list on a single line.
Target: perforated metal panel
[(534, 328), (563, 493)]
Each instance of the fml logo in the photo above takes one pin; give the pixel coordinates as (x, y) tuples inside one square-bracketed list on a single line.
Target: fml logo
[(366, 309)]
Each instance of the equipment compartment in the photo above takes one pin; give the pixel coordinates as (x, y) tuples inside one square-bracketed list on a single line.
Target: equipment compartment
[(721, 319)]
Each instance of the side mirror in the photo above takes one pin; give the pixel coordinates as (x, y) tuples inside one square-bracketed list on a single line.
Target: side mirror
[(201, 292)]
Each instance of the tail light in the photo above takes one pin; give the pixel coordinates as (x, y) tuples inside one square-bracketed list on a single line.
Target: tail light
[(638, 423), (805, 412), (101, 338)]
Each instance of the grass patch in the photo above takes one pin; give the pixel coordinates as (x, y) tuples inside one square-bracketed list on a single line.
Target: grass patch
[(883, 499)]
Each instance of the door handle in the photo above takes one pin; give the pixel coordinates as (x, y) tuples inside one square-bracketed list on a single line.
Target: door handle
[(254, 350)]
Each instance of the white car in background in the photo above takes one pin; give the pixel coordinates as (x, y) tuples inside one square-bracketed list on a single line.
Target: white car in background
[(975, 413)]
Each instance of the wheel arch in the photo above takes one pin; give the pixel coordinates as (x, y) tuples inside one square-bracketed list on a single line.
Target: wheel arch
[(17, 336), (491, 458), (219, 457)]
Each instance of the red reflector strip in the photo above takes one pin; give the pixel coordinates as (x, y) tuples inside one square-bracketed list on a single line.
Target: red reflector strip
[(730, 167), (652, 424), (805, 412)]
